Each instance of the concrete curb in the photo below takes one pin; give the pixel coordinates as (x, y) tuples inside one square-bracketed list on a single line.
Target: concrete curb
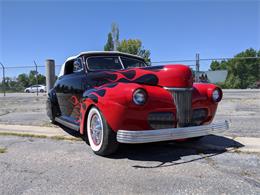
[(251, 144), (34, 130), (218, 143)]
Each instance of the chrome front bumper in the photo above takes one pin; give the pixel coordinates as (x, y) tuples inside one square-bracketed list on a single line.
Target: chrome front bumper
[(146, 136)]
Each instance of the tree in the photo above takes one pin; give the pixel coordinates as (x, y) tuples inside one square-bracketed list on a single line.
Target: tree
[(26, 80), (115, 36), (134, 46), (215, 65), (112, 39), (23, 79), (131, 46), (42, 79), (242, 71), (109, 46), (32, 77)]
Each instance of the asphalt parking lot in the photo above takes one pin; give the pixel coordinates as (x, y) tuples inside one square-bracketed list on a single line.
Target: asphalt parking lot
[(44, 166), (23, 109), (47, 166), (241, 107)]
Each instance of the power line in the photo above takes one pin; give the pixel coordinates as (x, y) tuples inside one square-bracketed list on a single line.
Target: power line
[(237, 58), (170, 61), (10, 67), (158, 62), (206, 59)]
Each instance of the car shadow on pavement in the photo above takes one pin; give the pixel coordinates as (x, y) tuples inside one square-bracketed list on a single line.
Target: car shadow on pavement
[(175, 153), (171, 153), (70, 131)]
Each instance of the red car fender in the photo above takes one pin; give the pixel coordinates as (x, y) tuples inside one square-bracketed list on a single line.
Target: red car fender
[(112, 100), (206, 89), (203, 95), (115, 102)]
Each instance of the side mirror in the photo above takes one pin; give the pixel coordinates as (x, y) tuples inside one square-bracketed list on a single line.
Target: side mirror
[(76, 66)]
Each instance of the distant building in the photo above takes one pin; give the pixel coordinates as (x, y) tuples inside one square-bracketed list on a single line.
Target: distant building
[(215, 76)]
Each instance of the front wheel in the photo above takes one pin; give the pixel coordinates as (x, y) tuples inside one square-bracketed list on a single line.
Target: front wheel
[(101, 138)]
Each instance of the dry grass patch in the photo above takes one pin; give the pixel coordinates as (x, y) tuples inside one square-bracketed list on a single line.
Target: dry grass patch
[(40, 136), (2, 150)]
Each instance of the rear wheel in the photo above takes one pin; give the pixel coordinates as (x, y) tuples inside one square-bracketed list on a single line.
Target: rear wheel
[(27, 91), (51, 111), (101, 138), (41, 90)]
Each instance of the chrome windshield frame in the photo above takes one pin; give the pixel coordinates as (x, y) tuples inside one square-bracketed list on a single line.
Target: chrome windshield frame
[(91, 70)]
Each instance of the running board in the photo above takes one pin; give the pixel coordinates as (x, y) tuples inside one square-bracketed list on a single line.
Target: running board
[(67, 123)]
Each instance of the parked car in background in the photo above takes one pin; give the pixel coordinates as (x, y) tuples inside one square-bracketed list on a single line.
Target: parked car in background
[(114, 97), (33, 89)]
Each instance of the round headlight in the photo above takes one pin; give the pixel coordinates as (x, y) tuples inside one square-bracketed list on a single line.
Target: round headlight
[(216, 95), (139, 97)]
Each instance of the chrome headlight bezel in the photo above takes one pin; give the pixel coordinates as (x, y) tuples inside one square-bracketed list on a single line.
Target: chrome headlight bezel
[(139, 97), (216, 95)]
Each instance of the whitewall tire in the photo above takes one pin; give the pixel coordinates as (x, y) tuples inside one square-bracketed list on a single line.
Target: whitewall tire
[(102, 139)]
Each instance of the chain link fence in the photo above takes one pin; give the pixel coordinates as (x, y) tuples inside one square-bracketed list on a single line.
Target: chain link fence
[(18, 78)]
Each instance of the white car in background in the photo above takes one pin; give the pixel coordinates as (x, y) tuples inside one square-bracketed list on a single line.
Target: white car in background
[(33, 89)]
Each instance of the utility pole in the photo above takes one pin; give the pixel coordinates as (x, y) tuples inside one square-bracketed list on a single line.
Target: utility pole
[(3, 81), (36, 69), (197, 67), (50, 74)]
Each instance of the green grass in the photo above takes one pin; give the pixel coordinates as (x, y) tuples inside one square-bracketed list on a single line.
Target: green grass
[(58, 137)]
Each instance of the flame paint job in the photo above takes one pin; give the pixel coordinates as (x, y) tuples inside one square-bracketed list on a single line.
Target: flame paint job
[(111, 92), (121, 113), (167, 76)]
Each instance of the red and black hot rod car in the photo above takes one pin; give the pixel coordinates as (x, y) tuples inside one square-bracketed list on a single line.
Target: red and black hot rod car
[(113, 97)]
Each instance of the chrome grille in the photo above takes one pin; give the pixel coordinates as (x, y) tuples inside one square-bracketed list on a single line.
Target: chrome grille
[(161, 120), (183, 101)]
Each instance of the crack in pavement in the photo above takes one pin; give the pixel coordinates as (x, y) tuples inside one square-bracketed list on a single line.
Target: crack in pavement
[(6, 113), (245, 175), (15, 142)]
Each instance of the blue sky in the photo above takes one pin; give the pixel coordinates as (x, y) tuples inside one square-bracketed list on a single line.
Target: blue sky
[(172, 30)]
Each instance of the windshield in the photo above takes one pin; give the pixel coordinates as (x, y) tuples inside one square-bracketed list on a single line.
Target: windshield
[(132, 63), (104, 63)]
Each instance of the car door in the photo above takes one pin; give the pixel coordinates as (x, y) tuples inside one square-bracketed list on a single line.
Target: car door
[(33, 88), (70, 88), (36, 87)]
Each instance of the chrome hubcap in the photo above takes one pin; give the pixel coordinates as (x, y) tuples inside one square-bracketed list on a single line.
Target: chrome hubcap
[(96, 129)]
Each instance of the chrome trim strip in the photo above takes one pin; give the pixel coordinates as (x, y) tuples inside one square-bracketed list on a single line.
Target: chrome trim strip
[(67, 124), (178, 89), (146, 136)]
